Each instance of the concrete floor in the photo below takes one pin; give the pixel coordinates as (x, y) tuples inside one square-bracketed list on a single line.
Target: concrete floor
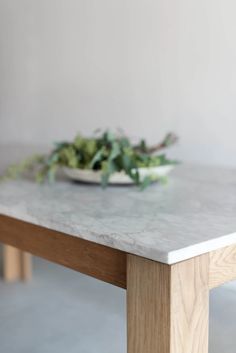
[(62, 311)]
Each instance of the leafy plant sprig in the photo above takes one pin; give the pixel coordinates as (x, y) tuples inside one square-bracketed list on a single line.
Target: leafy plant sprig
[(108, 153)]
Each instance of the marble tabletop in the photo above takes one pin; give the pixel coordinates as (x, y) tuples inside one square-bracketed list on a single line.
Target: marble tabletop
[(195, 212)]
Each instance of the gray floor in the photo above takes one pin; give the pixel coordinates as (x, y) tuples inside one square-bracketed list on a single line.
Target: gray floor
[(62, 311)]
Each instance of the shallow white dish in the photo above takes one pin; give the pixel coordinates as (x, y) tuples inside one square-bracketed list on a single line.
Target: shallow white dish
[(91, 176)]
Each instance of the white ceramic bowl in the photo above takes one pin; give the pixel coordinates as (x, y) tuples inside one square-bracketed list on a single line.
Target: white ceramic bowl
[(91, 176)]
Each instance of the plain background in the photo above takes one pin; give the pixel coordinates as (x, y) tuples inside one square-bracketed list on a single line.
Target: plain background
[(147, 66)]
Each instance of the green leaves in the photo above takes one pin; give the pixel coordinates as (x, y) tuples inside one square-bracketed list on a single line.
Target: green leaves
[(98, 157), (67, 156), (105, 151), (16, 170), (115, 151), (108, 168), (146, 182)]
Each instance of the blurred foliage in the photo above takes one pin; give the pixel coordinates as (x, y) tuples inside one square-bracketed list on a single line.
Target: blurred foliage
[(107, 152)]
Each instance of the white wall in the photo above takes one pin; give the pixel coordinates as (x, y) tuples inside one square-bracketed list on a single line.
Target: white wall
[(148, 66)]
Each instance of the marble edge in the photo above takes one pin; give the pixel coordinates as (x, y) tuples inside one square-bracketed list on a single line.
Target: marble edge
[(198, 249), (128, 247), (170, 258)]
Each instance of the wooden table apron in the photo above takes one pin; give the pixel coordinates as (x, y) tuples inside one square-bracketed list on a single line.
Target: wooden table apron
[(167, 305)]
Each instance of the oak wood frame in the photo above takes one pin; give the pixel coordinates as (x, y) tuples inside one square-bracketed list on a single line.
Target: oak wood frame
[(17, 264), (101, 262), (222, 266), (167, 305)]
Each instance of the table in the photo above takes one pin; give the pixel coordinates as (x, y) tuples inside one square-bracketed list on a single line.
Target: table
[(167, 246)]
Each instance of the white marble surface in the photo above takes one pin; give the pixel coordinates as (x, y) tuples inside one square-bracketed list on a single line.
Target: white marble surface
[(193, 214)]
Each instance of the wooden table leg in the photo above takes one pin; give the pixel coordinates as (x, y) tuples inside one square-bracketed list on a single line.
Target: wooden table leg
[(168, 306), (17, 264)]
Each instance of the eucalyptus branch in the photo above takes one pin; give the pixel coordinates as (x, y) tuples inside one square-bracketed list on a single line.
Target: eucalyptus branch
[(169, 140)]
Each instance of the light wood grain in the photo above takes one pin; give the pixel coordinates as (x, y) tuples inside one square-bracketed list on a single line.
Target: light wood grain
[(26, 266), (17, 265), (11, 263), (101, 262), (148, 305), (222, 266), (190, 306), (167, 306)]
